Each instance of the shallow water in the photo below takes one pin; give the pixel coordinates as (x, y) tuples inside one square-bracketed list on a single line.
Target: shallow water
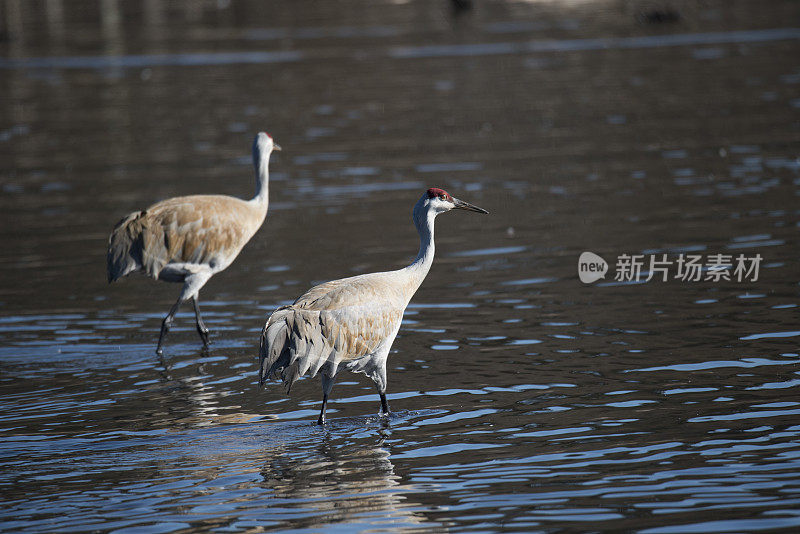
[(524, 400)]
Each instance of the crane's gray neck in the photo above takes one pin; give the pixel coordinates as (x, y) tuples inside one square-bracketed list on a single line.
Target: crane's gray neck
[(261, 163)]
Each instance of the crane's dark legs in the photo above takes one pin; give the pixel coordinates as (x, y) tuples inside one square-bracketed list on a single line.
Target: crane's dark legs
[(327, 385), (379, 378), (201, 326), (166, 324), (384, 404), (321, 420), (192, 283)]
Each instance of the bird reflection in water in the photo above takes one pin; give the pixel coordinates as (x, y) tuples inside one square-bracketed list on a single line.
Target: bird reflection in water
[(342, 484)]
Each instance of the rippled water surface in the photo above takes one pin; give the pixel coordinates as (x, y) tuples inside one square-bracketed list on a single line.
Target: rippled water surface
[(523, 399)]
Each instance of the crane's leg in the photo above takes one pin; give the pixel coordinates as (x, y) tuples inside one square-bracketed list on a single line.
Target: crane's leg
[(201, 326), (191, 285), (384, 404), (327, 385), (167, 323), (321, 420), (379, 377)]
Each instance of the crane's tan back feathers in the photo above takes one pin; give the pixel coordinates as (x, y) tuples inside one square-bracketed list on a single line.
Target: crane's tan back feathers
[(337, 322), (194, 229)]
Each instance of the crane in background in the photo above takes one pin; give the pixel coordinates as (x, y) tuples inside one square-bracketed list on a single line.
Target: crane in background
[(189, 239)]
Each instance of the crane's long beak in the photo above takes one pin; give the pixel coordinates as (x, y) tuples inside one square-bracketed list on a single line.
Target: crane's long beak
[(276, 146), (461, 205)]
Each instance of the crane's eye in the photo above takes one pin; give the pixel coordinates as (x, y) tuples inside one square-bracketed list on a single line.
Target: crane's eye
[(442, 197)]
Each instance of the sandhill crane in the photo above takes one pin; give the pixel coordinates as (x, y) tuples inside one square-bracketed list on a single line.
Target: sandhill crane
[(352, 321), (190, 239)]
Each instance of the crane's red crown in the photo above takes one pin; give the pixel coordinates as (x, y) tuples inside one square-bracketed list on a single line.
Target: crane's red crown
[(434, 192)]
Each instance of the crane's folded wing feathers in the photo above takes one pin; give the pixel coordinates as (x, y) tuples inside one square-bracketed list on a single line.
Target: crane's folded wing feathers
[(200, 229), (340, 321), (125, 247)]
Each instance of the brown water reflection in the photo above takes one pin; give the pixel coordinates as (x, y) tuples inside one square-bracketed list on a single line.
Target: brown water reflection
[(525, 399)]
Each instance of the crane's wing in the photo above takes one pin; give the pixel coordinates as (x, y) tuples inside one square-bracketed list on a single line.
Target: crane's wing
[(200, 229), (125, 247), (339, 321)]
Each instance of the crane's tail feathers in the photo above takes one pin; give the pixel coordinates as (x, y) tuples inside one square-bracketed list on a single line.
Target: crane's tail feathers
[(125, 246), (293, 344), (138, 243), (274, 338)]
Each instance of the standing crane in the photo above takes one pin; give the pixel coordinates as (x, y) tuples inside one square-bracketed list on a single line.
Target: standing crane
[(352, 321), (190, 239)]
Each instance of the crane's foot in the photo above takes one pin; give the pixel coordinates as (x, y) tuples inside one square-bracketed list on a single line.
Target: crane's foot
[(321, 420), (204, 337), (166, 324), (160, 347)]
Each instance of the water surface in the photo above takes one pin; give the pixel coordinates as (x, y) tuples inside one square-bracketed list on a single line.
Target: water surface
[(523, 399)]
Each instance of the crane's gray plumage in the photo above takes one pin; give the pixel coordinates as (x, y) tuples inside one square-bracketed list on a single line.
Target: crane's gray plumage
[(351, 322), (189, 239)]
